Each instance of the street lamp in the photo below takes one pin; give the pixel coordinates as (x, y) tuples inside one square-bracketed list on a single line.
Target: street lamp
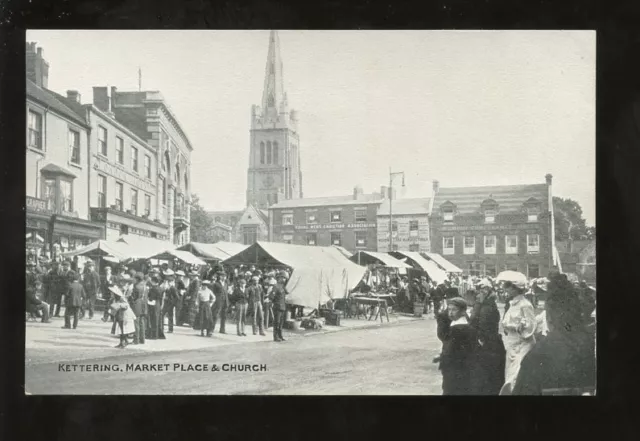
[(391, 176)]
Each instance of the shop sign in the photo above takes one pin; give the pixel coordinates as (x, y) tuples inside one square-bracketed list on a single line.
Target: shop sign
[(334, 226), (484, 227), (122, 175), (37, 205)]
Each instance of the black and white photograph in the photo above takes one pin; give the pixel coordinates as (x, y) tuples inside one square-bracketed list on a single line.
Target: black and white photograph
[(310, 212)]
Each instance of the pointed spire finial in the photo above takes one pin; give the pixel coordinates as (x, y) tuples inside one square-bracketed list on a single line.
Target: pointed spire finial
[(272, 95)]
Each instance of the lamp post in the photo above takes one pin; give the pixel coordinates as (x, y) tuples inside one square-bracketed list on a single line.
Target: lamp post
[(391, 176)]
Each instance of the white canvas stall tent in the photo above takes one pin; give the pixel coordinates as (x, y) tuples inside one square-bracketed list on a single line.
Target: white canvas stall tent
[(99, 248), (213, 251), (138, 247), (375, 258), (184, 256), (430, 267), (319, 273), (442, 263)]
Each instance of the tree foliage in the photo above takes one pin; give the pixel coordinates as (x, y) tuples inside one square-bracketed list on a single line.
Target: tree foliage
[(201, 222), (569, 221)]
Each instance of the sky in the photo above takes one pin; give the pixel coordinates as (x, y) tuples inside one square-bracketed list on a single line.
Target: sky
[(467, 108)]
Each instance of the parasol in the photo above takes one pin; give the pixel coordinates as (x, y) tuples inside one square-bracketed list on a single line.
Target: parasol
[(511, 276)]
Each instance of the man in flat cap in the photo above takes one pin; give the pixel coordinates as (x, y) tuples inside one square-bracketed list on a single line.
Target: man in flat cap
[(458, 346)]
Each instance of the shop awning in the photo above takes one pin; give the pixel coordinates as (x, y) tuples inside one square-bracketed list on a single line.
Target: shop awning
[(374, 258), (98, 248), (442, 262), (419, 262), (184, 256), (138, 247)]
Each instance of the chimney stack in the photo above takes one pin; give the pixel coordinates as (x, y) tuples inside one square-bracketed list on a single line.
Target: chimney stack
[(436, 185), (73, 95), (102, 97), (37, 66), (357, 193), (549, 178)]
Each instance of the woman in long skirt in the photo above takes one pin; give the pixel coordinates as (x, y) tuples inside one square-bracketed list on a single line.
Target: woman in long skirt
[(190, 300), (204, 319), (124, 316)]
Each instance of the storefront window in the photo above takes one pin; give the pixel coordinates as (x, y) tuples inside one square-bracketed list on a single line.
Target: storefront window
[(66, 197)]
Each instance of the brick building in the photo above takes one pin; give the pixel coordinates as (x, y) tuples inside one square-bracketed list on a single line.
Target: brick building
[(348, 221), (486, 230)]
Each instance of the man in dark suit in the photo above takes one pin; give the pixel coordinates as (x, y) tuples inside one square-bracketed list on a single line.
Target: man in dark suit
[(73, 300), (91, 283), (240, 297), (219, 308), (139, 307), (458, 345), (154, 300), (34, 304), (279, 307), (255, 299), (171, 298)]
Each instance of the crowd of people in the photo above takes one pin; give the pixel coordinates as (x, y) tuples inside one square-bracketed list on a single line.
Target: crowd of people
[(138, 301), (520, 352)]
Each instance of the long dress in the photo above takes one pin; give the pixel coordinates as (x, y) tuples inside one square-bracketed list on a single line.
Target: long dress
[(204, 318), (519, 324)]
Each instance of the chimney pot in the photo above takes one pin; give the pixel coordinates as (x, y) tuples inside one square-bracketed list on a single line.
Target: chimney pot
[(73, 95), (549, 178), (436, 185)]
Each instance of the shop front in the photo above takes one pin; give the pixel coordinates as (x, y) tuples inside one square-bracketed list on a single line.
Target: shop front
[(69, 233), (117, 223), (37, 227)]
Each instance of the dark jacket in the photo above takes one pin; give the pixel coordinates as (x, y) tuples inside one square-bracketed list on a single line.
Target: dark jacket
[(105, 284), (485, 319), (278, 298), (139, 299), (241, 296), (488, 366), (92, 283), (32, 300), (255, 294), (57, 285), (155, 294), (222, 296), (560, 362), (455, 361), (75, 295), (171, 296)]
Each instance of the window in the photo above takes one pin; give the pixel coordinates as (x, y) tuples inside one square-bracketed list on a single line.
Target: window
[(287, 219), (336, 216), (511, 244), (311, 238), (361, 239), (102, 140), (275, 152), (490, 270), (475, 268), (489, 244), (394, 226), (533, 243), (119, 195), (287, 238), (250, 235), (147, 166), (448, 214), (413, 228), (489, 216), (311, 218), (119, 150), (533, 270), (163, 184), (262, 152), (102, 191), (336, 238), (414, 247), (134, 201), (469, 245), (268, 152), (147, 205), (448, 244), (58, 192), (361, 215), (532, 214), (74, 146), (35, 130), (49, 193), (134, 158)]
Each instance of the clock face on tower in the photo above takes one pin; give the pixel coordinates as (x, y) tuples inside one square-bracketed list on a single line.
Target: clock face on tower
[(268, 182)]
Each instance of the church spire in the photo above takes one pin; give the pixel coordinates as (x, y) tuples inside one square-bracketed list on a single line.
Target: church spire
[(273, 94)]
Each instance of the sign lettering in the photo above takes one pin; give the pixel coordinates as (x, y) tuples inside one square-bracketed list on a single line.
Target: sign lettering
[(335, 226), (122, 175), (485, 227), (39, 205)]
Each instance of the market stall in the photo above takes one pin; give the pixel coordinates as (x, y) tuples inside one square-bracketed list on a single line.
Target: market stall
[(442, 263), (419, 263), (213, 252), (183, 256)]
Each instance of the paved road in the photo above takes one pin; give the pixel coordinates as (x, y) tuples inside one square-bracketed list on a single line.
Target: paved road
[(387, 360)]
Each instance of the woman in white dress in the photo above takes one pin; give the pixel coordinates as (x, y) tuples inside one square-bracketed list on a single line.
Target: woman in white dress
[(519, 325)]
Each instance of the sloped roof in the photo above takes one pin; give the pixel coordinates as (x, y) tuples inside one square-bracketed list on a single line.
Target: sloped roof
[(328, 201), (442, 262), (185, 256), (56, 169), (369, 257), (133, 119), (216, 251), (139, 247), (54, 102), (429, 266), (406, 206), (510, 198)]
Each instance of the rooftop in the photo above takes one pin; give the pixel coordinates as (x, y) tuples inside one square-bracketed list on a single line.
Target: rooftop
[(133, 119), (373, 198), (510, 198), (56, 102), (406, 206)]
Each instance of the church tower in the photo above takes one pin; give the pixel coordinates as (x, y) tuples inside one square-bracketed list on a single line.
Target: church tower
[(274, 160)]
